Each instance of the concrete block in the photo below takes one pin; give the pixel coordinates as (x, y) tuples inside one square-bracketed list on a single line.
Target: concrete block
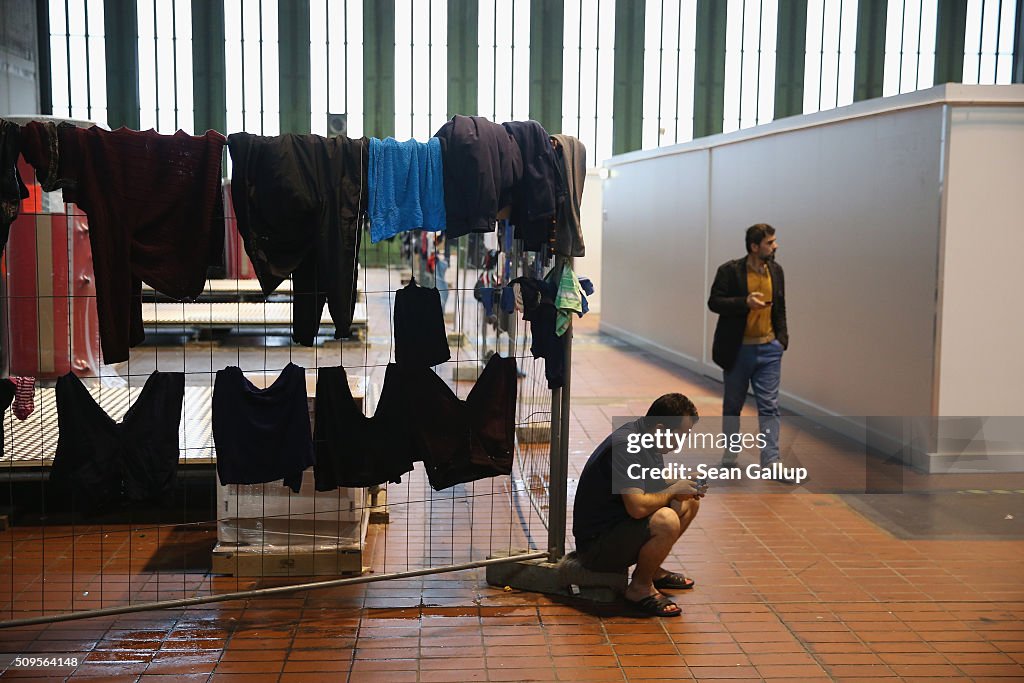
[(466, 372), (377, 500), (534, 433), (567, 577)]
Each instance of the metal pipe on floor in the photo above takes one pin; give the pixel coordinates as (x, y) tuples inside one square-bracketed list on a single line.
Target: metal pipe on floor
[(264, 592)]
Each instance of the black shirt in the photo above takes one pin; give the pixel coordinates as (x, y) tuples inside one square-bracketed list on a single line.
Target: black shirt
[(597, 508), (102, 462), (420, 337), (262, 435)]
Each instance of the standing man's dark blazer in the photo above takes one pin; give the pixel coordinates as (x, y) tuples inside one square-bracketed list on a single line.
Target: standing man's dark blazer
[(729, 300)]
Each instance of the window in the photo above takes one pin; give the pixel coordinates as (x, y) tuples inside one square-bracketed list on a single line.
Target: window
[(669, 60), (78, 68), (831, 43), (421, 67), (588, 72), (988, 46), (165, 65), (251, 66), (504, 60), (750, 35)]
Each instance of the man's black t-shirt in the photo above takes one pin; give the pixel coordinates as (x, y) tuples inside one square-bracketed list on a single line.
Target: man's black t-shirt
[(596, 508)]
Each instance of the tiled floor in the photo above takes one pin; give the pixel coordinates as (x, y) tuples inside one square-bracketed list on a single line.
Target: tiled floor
[(789, 587)]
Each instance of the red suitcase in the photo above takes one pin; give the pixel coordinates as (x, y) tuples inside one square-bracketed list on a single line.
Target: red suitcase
[(49, 298)]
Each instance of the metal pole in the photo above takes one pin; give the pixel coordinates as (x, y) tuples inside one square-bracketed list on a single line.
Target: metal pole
[(559, 476), (556, 493), (263, 592)]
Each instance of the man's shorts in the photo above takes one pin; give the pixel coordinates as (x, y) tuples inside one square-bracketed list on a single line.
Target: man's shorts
[(617, 548)]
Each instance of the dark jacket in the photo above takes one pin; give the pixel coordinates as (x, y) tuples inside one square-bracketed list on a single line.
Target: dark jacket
[(481, 165), (12, 189), (729, 300), (569, 232), (535, 197)]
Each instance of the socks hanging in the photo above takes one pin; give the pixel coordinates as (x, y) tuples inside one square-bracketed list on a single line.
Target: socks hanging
[(24, 392)]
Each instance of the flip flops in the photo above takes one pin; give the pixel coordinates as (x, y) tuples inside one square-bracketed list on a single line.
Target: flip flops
[(656, 605), (673, 580)]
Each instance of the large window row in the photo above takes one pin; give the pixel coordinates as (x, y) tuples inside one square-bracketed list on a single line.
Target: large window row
[(252, 62)]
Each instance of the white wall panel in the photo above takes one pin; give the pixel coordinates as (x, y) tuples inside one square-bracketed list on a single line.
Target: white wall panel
[(857, 196), (856, 205), (653, 253), (982, 328)]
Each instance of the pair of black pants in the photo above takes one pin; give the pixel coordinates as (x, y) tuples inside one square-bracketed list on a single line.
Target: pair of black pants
[(298, 200)]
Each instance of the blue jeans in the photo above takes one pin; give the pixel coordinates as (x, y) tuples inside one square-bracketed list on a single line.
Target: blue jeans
[(759, 366)]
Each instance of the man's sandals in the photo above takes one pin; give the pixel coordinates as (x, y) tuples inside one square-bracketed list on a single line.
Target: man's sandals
[(672, 580), (656, 605)]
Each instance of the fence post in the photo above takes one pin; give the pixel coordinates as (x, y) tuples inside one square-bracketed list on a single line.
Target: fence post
[(559, 474)]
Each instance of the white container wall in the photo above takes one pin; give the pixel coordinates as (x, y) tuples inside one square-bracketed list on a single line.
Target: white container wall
[(899, 222)]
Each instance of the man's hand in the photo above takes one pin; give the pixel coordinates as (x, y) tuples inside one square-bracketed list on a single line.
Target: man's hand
[(755, 302), (685, 489)]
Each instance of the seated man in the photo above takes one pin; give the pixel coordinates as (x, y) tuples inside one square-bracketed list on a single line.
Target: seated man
[(636, 527)]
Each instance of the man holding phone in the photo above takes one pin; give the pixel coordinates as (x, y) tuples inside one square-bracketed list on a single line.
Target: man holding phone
[(749, 296), (617, 527)]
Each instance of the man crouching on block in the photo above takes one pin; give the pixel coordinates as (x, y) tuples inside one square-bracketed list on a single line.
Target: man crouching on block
[(640, 524)]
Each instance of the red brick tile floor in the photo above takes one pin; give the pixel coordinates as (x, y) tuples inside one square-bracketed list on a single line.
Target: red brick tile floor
[(794, 587)]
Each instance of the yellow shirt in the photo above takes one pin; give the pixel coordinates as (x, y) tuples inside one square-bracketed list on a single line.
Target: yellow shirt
[(759, 322)]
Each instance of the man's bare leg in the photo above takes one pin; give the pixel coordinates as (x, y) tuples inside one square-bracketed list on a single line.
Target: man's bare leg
[(665, 530), (687, 510)]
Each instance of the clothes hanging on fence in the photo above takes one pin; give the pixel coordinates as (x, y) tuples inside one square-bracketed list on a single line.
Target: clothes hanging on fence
[(7, 390), (588, 290), (536, 197), (12, 188), (155, 213), (354, 450), (463, 441), (299, 200), (539, 310), (569, 232), (482, 164), (406, 186), (262, 435), (100, 462), (568, 298), (420, 336)]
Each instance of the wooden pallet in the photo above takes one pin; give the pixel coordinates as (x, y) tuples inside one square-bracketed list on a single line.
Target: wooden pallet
[(257, 561), (227, 290), (197, 319)]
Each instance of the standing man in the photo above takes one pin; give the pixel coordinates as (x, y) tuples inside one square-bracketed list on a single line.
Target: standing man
[(749, 296), (639, 523)]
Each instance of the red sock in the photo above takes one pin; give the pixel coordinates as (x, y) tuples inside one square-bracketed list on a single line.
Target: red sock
[(23, 394)]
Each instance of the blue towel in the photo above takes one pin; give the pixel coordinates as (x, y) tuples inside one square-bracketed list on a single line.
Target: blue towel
[(406, 187)]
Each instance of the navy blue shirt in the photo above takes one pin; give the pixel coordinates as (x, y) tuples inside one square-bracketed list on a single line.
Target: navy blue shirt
[(597, 508)]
